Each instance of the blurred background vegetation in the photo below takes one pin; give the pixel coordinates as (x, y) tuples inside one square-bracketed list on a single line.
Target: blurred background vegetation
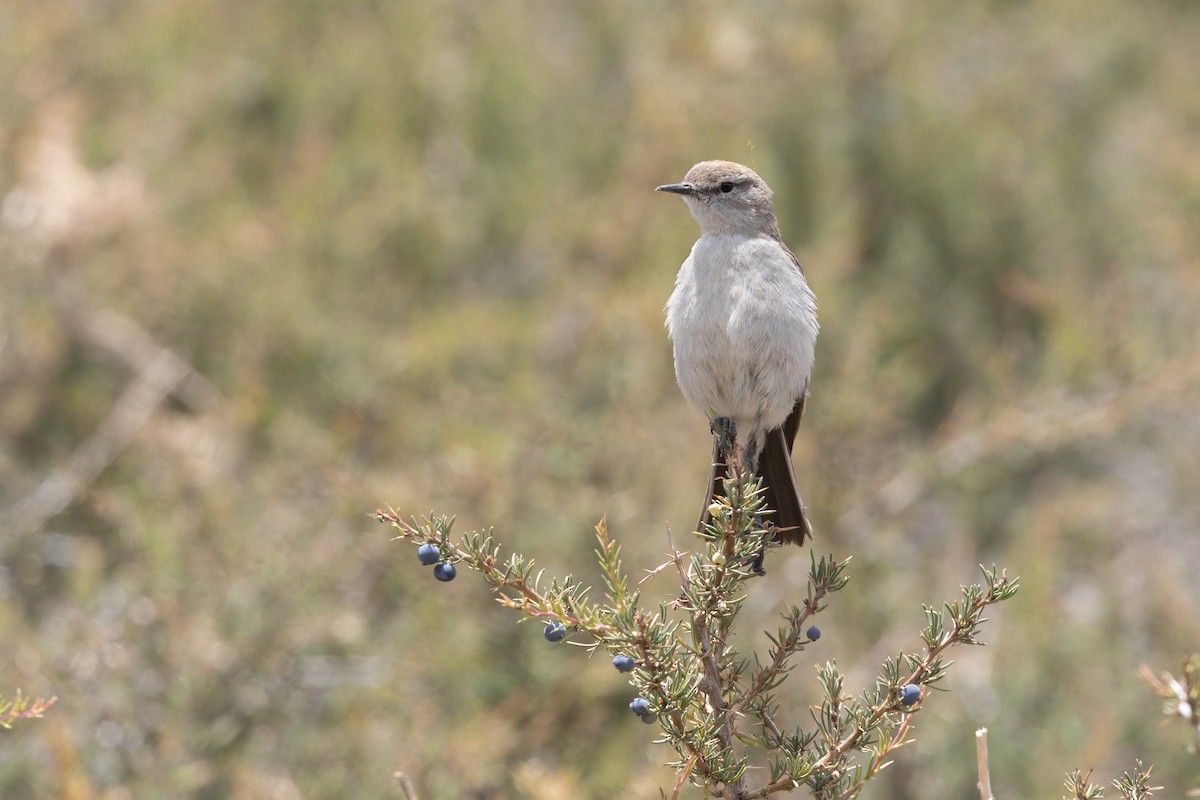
[(268, 266)]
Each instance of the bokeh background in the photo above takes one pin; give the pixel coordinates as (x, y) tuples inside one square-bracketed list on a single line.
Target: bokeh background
[(268, 266)]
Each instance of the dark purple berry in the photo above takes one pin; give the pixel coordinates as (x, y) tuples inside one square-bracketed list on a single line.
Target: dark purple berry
[(649, 719), (444, 572), (624, 664), (555, 632), (910, 694), (640, 706), (428, 554), (813, 633)]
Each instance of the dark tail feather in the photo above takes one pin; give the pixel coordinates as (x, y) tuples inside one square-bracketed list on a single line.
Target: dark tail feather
[(779, 489), (780, 492)]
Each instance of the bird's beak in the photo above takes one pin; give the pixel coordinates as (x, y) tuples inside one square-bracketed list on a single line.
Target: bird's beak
[(677, 188)]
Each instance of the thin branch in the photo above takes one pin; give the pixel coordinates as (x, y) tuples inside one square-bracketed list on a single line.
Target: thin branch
[(877, 762), (1041, 424), (835, 753), (127, 417), (406, 786), (499, 578), (683, 775), (981, 756), (122, 338), (21, 707), (161, 373), (779, 655), (712, 642)]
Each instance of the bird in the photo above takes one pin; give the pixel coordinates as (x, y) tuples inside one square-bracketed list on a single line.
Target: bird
[(742, 320)]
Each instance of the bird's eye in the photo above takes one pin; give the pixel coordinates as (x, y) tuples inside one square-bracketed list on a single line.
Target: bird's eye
[(727, 187)]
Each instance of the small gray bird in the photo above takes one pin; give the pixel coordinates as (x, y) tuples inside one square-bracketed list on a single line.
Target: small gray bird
[(744, 325)]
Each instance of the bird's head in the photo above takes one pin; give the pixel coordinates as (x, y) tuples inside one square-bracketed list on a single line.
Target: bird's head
[(725, 197)]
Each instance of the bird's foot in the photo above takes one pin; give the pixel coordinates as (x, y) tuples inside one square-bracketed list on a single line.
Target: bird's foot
[(755, 562), (726, 433), (750, 455)]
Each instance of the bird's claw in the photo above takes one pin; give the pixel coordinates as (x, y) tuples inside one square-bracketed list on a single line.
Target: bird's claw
[(750, 455), (726, 433), (755, 562)]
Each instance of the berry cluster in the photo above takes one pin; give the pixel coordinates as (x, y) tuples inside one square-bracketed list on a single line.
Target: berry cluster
[(641, 707), (429, 553)]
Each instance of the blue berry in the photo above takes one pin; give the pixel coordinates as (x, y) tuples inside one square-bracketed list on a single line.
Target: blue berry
[(428, 554), (555, 632), (813, 633), (624, 664), (640, 706), (910, 694), (444, 572)]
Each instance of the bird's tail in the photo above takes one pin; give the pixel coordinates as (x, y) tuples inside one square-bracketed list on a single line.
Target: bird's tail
[(779, 489)]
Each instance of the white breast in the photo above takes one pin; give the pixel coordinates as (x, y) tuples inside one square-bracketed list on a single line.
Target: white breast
[(744, 324)]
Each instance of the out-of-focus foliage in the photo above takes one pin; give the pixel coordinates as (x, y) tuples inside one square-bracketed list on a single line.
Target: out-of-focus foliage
[(22, 708), (267, 266)]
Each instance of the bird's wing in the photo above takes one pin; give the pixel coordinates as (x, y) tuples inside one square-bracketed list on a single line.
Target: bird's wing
[(792, 423), (779, 238)]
